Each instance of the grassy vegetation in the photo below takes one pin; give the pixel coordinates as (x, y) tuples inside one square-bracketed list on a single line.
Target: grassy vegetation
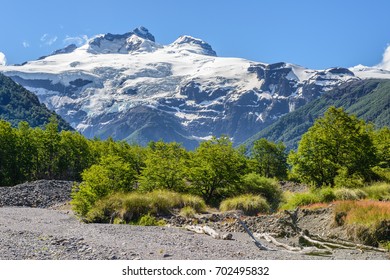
[(375, 191), (364, 212), (188, 212), (149, 220), (193, 201), (249, 204), (349, 194), (268, 188), (131, 207), (383, 174), (294, 200), (367, 220), (378, 191)]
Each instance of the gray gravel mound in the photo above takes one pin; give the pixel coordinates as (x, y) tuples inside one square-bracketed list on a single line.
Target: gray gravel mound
[(40, 194)]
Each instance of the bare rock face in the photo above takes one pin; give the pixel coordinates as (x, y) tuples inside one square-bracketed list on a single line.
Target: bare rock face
[(40, 194)]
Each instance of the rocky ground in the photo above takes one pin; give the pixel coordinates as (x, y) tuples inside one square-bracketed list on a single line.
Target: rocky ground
[(47, 229), (41, 194)]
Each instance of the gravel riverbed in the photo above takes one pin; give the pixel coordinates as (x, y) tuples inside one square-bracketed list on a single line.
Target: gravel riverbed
[(43, 233)]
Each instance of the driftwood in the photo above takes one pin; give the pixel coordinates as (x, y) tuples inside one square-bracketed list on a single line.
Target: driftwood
[(313, 244), (204, 229), (209, 231), (343, 244), (272, 240), (257, 243), (304, 239), (306, 250)]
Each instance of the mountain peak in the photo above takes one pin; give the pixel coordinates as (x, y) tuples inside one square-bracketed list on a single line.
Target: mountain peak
[(186, 40), (68, 49), (144, 33), (122, 43)]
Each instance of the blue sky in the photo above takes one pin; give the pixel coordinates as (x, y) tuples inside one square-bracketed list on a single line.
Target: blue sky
[(314, 34)]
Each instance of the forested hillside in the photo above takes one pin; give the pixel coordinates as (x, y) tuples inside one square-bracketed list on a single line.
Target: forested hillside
[(367, 99), (18, 104)]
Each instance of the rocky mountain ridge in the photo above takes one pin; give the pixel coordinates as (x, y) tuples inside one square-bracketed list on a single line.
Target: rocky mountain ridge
[(131, 88)]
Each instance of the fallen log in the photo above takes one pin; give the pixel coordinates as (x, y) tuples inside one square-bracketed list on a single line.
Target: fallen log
[(257, 243), (272, 240), (312, 251), (343, 244), (306, 240), (204, 229)]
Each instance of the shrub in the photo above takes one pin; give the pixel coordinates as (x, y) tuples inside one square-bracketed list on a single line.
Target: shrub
[(163, 201), (111, 175), (83, 198), (104, 209), (135, 205), (378, 191), (195, 202), (344, 180), (249, 204), (149, 220), (300, 199), (382, 174), (327, 195), (187, 212), (349, 194), (268, 188), (130, 207)]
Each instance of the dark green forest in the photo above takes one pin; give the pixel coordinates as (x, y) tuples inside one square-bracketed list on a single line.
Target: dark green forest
[(338, 150), (18, 104)]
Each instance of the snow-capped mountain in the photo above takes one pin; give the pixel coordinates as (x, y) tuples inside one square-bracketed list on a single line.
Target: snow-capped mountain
[(131, 88)]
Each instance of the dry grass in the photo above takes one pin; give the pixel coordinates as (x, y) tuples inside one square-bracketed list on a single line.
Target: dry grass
[(364, 212), (316, 206), (366, 221)]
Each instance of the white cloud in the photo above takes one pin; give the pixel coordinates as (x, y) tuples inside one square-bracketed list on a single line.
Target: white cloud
[(25, 44), (3, 60), (385, 64), (77, 40), (48, 40)]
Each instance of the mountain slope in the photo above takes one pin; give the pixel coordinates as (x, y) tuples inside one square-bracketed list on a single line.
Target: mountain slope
[(18, 104), (132, 88), (367, 99)]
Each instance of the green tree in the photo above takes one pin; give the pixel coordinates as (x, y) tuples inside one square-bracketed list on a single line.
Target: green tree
[(49, 150), (270, 159), (165, 165), (8, 154), (111, 175), (335, 141), (74, 155), (26, 149), (381, 140), (215, 169)]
